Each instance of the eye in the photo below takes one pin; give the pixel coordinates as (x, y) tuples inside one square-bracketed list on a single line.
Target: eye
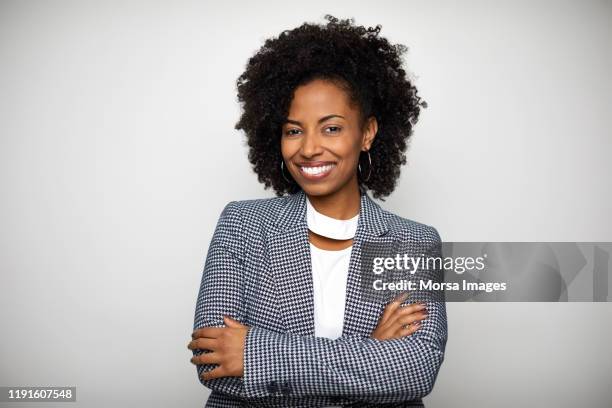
[(290, 132), (333, 129)]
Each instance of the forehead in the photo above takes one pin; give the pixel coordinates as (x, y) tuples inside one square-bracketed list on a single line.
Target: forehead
[(319, 98)]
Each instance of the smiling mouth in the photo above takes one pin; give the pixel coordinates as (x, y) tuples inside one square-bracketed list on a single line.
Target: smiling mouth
[(316, 172)]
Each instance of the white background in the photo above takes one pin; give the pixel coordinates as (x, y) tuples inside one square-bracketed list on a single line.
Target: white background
[(118, 152)]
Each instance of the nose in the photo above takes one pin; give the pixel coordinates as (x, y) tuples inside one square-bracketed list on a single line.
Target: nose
[(311, 144)]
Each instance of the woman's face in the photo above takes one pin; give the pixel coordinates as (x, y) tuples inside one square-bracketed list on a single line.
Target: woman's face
[(322, 138)]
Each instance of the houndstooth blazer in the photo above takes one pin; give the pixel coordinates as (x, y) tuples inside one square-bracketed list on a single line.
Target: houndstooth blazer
[(258, 271)]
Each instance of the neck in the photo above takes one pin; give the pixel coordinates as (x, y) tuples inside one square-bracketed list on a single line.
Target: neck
[(342, 204)]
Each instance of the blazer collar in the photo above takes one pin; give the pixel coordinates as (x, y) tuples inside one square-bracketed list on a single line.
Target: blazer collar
[(372, 218)]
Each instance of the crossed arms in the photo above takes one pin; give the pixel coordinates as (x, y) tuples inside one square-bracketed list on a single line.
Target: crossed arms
[(354, 367)]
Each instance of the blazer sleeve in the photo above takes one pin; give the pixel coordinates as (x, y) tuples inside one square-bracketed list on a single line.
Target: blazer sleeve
[(360, 368), (221, 290)]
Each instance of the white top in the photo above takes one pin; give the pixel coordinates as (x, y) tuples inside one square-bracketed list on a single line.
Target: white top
[(329, 275), (329, 272)]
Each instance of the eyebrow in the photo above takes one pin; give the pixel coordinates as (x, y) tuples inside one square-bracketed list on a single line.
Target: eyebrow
[(323, 119)]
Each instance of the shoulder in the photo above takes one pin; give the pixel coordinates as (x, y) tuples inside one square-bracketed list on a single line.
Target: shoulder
[(252, 212), (257, 207), (242, 221), (410, 230)]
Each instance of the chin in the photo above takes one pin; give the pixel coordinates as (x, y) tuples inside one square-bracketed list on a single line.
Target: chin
[(318, 189)]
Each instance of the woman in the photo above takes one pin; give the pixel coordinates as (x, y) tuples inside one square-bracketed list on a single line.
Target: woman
[(279, 320)]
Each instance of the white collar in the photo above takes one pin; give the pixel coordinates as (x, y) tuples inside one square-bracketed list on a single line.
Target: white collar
[(330, 227)]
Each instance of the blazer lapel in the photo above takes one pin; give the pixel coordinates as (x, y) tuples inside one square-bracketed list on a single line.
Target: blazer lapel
[(291, 267), (290, 263), (360, 315)]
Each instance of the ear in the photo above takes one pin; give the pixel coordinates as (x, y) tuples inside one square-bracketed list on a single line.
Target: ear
[(369, 133)]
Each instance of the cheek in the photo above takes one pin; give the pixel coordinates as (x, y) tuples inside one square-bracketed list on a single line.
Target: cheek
[(288, 148), (285, 149), (349, 154)]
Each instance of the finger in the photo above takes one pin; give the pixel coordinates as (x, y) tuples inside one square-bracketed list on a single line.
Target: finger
[(206, 358), (409, 330), (405, 311), (401, 297), (230, 322), (203, 343), (393, 305), (215, 373), (211, 332), (410, 309), (414, 317)]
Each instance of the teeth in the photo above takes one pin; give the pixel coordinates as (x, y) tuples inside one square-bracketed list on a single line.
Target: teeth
[(317, 170)]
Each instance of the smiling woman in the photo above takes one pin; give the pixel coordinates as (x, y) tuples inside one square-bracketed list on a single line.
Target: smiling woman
[(280, 320)]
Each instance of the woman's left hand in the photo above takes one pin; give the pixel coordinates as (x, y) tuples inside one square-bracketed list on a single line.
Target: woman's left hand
[(227, 346)]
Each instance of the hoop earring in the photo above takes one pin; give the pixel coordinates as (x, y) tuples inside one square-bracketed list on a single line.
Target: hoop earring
[(369, 167), (283, 171)]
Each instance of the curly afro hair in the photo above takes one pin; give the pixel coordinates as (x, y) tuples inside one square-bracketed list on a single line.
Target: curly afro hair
[(365, 64)]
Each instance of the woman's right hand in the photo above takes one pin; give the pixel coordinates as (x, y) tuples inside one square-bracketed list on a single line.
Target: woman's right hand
[(395, 317)]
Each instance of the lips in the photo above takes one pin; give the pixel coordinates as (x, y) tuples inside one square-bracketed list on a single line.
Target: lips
[(316, 170)]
